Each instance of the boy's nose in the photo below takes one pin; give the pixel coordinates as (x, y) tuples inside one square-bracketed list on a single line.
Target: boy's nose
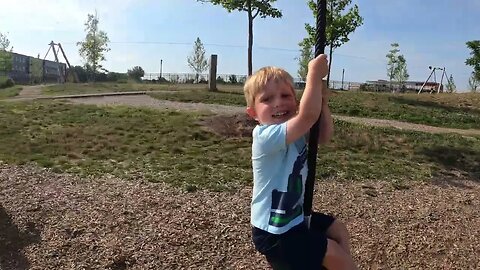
[(277, 102)]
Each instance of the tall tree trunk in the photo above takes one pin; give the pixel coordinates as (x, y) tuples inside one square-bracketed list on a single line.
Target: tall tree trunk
[(250, 37)]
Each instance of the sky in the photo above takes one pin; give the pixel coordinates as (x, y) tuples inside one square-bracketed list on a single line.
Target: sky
[(146, 32)]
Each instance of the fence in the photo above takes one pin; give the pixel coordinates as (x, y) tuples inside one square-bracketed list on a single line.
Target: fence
[(233, 79)]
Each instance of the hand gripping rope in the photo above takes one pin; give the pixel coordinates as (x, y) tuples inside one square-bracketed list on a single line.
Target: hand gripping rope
[(320, 40)]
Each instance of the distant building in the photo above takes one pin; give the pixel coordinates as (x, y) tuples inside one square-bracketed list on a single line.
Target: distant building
[(387, 86), (27, 69)]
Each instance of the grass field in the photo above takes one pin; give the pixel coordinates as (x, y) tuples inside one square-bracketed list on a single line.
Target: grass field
[(443, 110), (171, 147), (10, 92)]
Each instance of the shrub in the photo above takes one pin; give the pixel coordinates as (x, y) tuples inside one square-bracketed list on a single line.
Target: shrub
[(6, 82), (220, 80), (233, 79)]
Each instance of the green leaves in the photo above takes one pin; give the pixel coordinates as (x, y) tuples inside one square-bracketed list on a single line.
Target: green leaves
[(5, 54), (254, 8), (474, 60), (197, 61), (340, 24), (396, 65), (262, 8), (95, 45)]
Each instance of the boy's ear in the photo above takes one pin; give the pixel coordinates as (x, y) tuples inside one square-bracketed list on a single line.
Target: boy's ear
[(251, 112)]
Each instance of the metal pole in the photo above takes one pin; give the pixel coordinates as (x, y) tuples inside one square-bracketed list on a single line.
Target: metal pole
[(161, 63), (320, 41), (421, 88), (343, 75), (441, 81)]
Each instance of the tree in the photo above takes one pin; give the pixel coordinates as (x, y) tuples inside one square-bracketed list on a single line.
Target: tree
[(197, 60), (95, 45), (254, 8), (473, 83), (5, 54), (451, 87), (396, 66), (474, 60), (306, 54), (339, 25), (136, 73)]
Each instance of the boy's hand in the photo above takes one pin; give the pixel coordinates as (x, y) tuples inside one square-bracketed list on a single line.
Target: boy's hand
[(318, 67)]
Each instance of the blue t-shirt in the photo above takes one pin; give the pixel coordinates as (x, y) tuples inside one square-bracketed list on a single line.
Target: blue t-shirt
[(279, 174)]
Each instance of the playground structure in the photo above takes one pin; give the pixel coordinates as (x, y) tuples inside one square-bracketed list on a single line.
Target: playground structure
[(433, 72), (62, 76)]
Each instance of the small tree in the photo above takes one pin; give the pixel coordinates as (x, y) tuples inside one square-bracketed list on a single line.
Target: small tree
[(95, 45), (396, 66), (197, 61), (474, 60), (340, 25), (5, 54), (306, 54), (473, 83), (451, 87), (254, 8), (136, 73)]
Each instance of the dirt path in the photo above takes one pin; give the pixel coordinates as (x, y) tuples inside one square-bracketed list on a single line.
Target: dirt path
[(147, 101), (31, 91)]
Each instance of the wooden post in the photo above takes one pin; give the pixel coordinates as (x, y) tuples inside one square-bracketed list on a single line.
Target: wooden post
[(212, 75)]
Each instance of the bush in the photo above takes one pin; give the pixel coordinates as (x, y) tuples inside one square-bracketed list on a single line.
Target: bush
[(6, 82), (233, 79), (162, 80), (220, 80), (136, 73)]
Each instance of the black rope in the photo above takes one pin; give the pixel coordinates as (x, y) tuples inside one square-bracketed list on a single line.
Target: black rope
[(320, 40)]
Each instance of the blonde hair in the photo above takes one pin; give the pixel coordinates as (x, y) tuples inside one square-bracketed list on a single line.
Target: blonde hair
[(257, 82)]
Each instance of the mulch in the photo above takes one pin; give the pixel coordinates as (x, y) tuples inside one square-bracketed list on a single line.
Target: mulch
[(61, 221)]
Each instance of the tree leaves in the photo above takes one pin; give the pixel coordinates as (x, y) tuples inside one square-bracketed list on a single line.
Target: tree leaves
[(197, 61), (474, 60), (95, 45)]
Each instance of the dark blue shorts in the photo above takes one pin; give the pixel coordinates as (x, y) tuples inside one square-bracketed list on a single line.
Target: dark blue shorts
[(299, 248)]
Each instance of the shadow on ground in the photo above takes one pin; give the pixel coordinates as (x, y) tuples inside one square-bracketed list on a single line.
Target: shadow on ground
[(435, 105), (12, 242), (454, 163)]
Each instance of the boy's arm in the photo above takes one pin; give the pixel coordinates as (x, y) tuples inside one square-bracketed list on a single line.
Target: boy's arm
[(309, 111), (325, 130)]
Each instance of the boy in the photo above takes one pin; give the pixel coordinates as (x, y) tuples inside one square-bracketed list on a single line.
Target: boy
[(279, 171)]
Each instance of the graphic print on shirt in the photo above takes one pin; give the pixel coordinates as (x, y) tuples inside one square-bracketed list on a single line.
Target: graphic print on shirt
[(286, 206)]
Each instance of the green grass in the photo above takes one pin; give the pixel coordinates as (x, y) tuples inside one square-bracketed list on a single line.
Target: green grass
[(443, 110), (10, 92), (171, 147), (94, 88)]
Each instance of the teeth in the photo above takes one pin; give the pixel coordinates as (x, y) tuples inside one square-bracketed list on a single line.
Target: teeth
[(280, 114)]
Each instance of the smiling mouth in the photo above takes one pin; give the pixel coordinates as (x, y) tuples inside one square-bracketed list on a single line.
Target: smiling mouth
[(279, 114)]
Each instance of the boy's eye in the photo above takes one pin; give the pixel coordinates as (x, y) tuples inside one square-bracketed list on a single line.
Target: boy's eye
[(264, 99)]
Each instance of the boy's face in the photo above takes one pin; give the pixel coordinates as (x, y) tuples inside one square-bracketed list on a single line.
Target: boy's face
[(276, 104)]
